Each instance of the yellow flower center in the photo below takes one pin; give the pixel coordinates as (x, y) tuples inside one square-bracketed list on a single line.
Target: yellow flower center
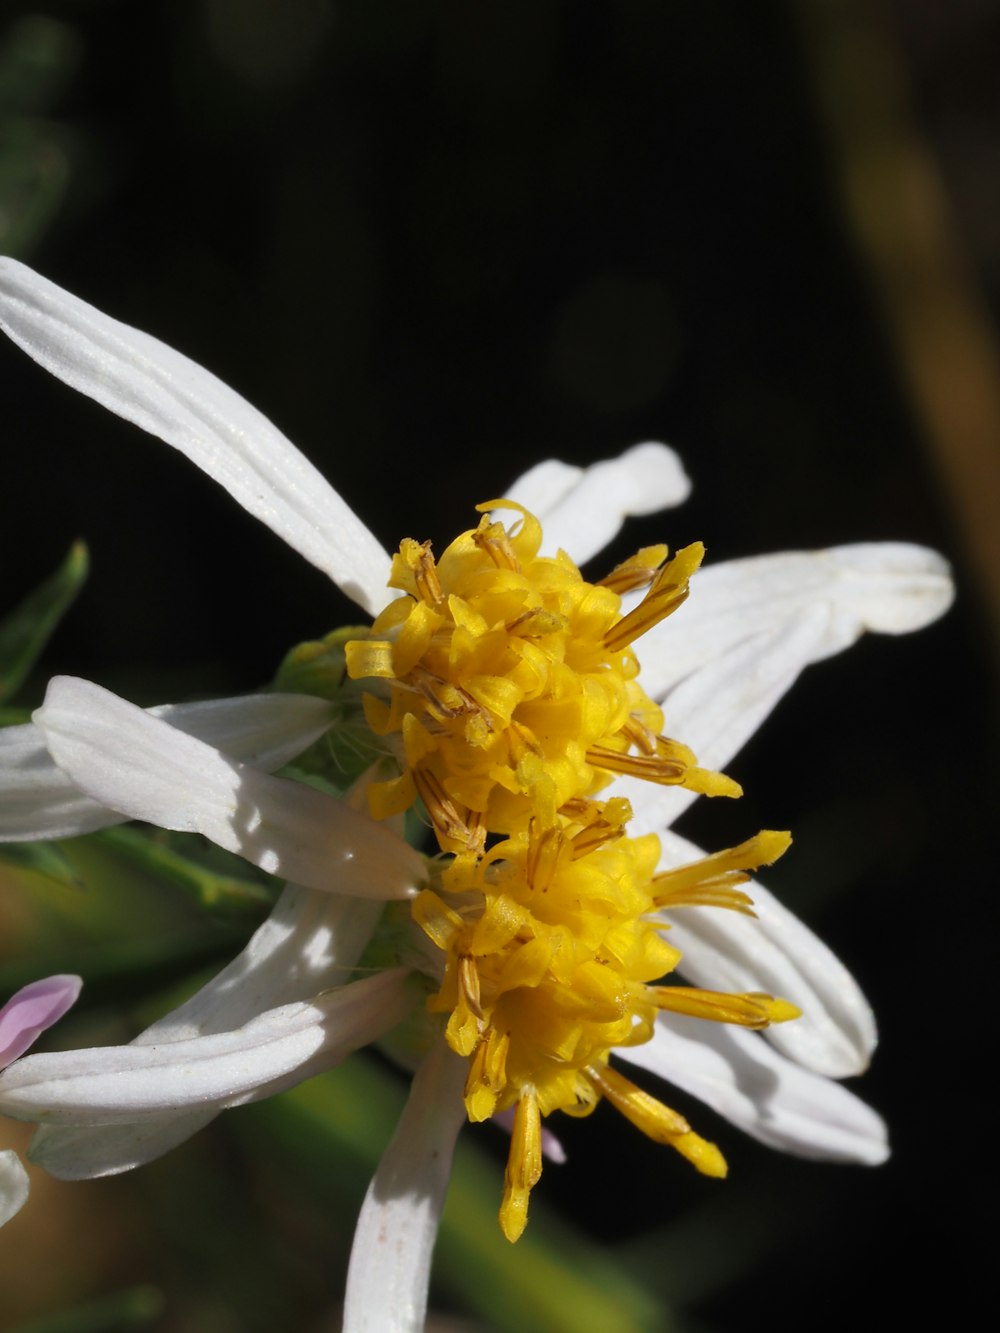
[(553, 944), (510, 683), (508, 689)]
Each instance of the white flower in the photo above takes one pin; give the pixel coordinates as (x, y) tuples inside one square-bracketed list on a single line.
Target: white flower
[(271, 1017)]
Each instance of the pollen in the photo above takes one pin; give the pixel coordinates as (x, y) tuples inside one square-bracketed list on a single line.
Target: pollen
[(507, 683)]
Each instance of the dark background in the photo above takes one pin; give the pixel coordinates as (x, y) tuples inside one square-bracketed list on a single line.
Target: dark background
[(438, 242)]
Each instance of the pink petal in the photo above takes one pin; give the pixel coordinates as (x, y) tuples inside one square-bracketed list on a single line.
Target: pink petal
[(33, 1008)]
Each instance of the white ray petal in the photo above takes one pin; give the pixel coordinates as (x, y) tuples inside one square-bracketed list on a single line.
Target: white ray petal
[(583, 509), (147, 769), (274, 1051), (761, 1092), (885, 588), (717, 709), (394, 1239), (778, 954), (310, 941), (39, 801), (14, 1185), (146, 382)]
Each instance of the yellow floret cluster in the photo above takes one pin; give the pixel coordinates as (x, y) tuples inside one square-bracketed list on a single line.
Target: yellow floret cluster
[(508, 690)]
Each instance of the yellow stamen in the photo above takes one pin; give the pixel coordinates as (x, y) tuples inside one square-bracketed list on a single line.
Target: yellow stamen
[(668, 591), (656, 1121), (454, 826), (524, 1165), (638, 571), (666, 770), (751, 1010), (712, 881)]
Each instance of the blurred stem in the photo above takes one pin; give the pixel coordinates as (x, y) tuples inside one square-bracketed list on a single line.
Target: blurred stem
[(896, 207)]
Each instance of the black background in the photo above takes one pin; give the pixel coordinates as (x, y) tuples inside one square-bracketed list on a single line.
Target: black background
[(438, 242)]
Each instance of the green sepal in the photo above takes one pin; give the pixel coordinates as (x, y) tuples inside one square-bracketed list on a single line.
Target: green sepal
[(25, 632), (318, 666)]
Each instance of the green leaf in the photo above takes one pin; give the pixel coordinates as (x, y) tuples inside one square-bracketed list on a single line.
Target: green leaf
[(25, 632)]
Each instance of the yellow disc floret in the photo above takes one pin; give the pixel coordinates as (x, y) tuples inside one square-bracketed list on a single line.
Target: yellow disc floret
[(552, 946), (510, 683)]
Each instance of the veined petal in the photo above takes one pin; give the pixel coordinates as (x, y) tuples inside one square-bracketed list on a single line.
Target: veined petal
[(886, 588), (276, 1050), (394, 1239), (310, 941), (147, 769), (583, 509), (777, 953), (758, 1090), (13, 1185), (39, 801), (146, 382)]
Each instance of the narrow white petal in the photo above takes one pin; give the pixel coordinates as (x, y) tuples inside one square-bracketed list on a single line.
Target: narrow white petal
[(583, 509), (394, 1239), (38, 801), (717, 709), (146, 382), (778, 954), (13, 1185), (274, 1051), (266, 730), (767, 1096), (311, 941), (147, 769), (885, 588)]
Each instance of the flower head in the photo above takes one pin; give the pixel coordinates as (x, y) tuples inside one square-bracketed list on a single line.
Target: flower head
[(503, 691)]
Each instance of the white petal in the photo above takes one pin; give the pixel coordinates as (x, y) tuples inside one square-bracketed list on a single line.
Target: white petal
[(778, 954), (274, 1051), (750, 627), (13, 1185), (394, 1239), (767, 1096), (39, 801), (310, 941), (146, 769), (886, 588), (141, 379), (718, 708), (583, 509), (266, 730)]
